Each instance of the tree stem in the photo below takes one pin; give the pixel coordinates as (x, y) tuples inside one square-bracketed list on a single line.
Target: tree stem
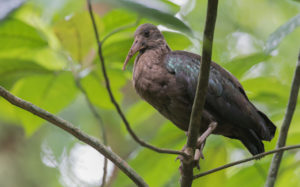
[(276, 160), (196, 115)]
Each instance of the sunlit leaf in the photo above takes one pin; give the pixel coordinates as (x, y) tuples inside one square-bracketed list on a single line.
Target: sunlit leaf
[(97, 92), (144, 110), (177, 41), (75, 38), (13, 69), (116, 19), (17, 34), (50, 92)]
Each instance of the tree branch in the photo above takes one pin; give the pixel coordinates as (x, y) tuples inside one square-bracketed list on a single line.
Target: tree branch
[(196, 115), (279, 150), (70, 128), (100, 121), (113, 100), (276, 160)]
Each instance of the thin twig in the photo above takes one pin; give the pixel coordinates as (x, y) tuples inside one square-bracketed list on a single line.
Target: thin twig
[(117, 30), (279, 150), (113, 100), (196, 115), (76, 132), (100, 121), (276, 160)]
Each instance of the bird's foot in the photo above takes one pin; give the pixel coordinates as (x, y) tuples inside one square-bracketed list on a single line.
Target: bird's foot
[(201, 143), (198, 155), (199, 147)]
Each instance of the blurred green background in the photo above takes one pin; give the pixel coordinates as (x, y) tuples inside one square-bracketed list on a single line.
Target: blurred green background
[(46, 45)]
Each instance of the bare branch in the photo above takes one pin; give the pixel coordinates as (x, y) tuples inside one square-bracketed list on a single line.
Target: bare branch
[(279, 150), (196, 115), (100, 121), (113, 100), (273, 170), (70, 128)]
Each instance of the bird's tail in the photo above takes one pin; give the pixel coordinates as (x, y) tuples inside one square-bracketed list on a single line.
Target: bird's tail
[(252, 142)]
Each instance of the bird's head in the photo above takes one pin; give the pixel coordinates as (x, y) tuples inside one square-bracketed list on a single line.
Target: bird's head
[(146, 36)]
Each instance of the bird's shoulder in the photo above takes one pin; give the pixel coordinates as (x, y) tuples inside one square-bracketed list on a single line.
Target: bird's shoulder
[(186, 65)]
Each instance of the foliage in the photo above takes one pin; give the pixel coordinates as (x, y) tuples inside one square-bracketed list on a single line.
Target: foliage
[(45, 45)]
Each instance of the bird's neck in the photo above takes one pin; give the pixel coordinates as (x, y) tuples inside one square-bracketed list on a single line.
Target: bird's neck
[(155, 52), (147, 61)]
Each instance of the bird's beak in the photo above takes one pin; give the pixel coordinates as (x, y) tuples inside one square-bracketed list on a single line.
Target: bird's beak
[(136, 46)]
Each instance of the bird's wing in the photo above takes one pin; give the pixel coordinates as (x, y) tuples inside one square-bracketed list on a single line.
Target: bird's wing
[(226, 98)]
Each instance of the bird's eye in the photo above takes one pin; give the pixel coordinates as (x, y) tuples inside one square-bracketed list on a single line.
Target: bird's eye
[(147, 34)]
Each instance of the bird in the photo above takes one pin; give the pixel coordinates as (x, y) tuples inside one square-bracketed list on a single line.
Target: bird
[(167, 80)]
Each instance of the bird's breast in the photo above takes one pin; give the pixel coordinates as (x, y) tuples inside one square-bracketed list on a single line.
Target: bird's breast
[(158, 87), (150, 79)]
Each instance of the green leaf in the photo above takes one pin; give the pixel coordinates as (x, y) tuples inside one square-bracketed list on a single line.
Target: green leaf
[(157, 169), (116, 49), (177, 41), (214, 157), (17, 34), (240, 65), (146, 109), (115, 19), (97, 92), (258, 169), (50, 92), (156, 10), (13, 69), (75, 38), (277, 36), (267, 90)]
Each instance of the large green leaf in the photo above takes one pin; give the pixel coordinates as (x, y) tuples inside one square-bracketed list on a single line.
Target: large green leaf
[(50, 92), (75, 38), (277, 36), (13, 69), (115, 19), (97, 92), (144, 110), (17, 34), (156, 10), (177, 41)]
